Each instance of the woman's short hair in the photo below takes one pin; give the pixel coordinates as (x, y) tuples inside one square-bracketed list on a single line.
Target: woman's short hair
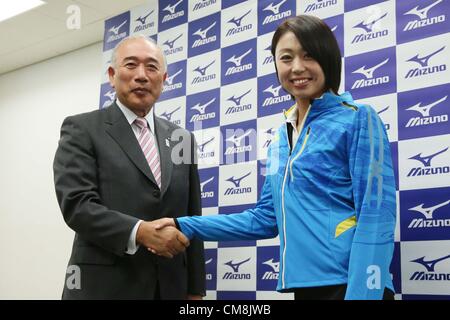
[(318, 40)]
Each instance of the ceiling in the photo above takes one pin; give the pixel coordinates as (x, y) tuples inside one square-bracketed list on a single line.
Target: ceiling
[(41, 33)]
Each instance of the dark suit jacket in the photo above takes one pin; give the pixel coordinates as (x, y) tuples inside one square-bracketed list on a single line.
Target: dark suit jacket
[(104, 186)]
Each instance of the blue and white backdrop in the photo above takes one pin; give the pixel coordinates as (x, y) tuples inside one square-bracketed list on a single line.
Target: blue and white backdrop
[(222, 86)]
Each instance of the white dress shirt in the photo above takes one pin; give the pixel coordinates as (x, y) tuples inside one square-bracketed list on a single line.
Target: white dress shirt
[(132, 247)]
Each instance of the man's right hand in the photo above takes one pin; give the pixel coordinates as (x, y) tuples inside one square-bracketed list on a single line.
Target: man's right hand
[(166, 242)]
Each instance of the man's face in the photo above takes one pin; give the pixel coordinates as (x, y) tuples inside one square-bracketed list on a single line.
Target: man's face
[(138, 75)]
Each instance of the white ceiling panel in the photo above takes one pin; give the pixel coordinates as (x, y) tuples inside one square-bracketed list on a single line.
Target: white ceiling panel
[(42, 33)]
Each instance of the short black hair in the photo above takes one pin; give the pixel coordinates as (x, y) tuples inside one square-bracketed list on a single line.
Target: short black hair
[(318, 40)]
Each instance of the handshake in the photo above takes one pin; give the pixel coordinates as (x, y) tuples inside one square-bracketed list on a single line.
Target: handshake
[(161, 237)]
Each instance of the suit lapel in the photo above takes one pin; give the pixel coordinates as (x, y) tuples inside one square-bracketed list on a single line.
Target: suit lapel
[(120, 130), (163, 133)]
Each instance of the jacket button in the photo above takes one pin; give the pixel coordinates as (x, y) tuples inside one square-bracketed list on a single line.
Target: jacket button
[(156, 193)]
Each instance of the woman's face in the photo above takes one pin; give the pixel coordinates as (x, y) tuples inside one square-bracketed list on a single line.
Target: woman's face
[(299, 74)]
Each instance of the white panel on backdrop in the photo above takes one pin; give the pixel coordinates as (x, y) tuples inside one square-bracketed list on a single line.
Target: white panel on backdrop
[(423, 63), (370, 28), (238, 102), (202, 8), (106, 62), (264, 55), (425, 267), (174, 43), (386, 107), (144, 19), (424, 163), (342, 84), (266, 129), (320, 8), (236, 269), (238, 184), (239, 23), (173, 110), (208, 141), (203, 72), (397, 218), (273, 295)]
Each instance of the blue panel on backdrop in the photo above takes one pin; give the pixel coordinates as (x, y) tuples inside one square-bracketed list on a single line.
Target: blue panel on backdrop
[(211, 268), (172, 13), (267, 268), (418, 19), (271, 97), (272, 12), (204, 35), (425, 214), (336, 25), (351, 5), (202, 110), (371, 74), (116, 29), (209, 186), (175, 85), (239, 62), (239, 143), (424, 112)]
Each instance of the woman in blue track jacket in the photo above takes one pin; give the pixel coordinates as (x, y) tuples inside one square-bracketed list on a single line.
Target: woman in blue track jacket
[(329, 192)]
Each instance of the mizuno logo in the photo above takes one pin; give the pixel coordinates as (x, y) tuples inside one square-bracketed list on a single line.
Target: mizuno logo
[(141, 20), (422, 13), (334, 28), (275, 92), (235, 266), (201, 147), (274, 8), (383, 110), (168, 115), (425, 110), (237, 181), (171, 43), (208, 261), (368, 26), (274, 265), (115, 29), (171, 9), (238, 60), (426, 161), (238, 140), (368, 73), (423, 61), (429, 265), (237, 21), (169, 80), (201, 108), (202, 185), (202, 71), (111, 94), (202, 33), (237, 100), (428, 212)]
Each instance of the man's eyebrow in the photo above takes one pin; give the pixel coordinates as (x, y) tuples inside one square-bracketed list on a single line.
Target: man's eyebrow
[(134, 58)]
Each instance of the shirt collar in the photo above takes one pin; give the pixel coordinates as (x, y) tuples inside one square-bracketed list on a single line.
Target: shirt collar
[(292, 114), (131, 116)]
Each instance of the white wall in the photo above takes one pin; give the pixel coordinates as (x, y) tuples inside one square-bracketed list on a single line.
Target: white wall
[(35, 243)]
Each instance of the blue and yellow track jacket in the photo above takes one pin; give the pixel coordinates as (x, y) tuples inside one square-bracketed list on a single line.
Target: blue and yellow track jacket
[(331, 200)]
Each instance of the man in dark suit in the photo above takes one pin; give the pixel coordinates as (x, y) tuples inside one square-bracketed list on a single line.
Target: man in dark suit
[(115, 173)]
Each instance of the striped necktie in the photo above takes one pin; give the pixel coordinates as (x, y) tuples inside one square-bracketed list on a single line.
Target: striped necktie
[(148, 146)]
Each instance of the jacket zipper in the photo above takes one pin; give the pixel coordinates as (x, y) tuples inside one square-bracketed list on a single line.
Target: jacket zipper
[(283, 285), (299, 153), (284, 214)]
